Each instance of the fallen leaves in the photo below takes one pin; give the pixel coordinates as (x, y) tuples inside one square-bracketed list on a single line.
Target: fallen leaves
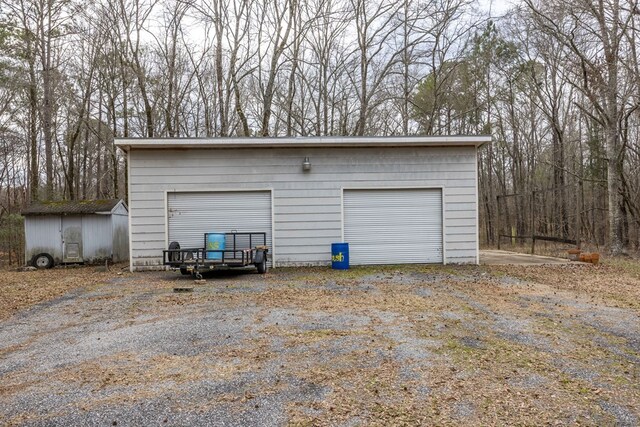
[(21, 290), (482, 335)]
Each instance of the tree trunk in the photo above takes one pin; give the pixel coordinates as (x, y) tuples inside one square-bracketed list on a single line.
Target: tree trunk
[(614, 187), (34, 173), (47, 99)]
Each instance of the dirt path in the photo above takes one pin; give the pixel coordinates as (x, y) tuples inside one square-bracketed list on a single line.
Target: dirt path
[(369, 346)]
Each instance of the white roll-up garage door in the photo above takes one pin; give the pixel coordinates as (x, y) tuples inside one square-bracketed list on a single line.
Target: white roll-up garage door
[(191, 214), (394, 226)]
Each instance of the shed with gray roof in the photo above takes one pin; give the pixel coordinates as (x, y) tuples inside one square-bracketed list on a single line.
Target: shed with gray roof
[(78, 231)]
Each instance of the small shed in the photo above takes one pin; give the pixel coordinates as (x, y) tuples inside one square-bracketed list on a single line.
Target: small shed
[(82, 231)]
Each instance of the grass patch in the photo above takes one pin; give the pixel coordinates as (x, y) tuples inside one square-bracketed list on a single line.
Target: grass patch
[(628, 265)]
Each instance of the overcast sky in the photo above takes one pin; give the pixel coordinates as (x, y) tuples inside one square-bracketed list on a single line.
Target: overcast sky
[(498, 7)]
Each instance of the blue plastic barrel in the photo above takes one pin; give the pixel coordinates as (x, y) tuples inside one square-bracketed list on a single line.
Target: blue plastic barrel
[(340, 256), (215, 242)]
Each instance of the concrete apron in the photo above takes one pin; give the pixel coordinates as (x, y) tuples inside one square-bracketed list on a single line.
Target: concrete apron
[(495, 257)]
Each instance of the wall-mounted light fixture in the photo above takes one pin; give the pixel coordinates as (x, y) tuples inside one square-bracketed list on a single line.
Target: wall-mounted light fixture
[(306, 164)]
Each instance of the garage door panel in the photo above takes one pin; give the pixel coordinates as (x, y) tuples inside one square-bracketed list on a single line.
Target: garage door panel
[(190, 215), (393, 226), (392, 241)]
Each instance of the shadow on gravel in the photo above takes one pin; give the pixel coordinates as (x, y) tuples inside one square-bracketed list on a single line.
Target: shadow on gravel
[(217, 274)]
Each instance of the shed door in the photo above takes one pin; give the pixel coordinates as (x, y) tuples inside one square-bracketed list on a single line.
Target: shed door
[(396, 226), (193, 214), (71, 239)]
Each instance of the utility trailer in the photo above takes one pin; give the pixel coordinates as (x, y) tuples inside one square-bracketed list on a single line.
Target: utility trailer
[(247, 249)]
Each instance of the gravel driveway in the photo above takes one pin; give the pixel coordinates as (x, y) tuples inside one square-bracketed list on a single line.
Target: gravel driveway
[(369, 346)]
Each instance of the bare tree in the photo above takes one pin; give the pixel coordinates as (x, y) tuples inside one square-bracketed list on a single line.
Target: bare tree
[(593, 33)]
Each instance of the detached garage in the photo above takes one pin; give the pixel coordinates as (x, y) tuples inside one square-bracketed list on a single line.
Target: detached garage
[(395, 200)]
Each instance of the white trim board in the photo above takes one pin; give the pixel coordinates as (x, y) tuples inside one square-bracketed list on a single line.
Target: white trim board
[(305, 142)]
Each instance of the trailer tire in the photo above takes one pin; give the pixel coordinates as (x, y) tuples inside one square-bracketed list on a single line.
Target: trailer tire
[(172, 255), (184, 271), (263, 266), (42, 261)]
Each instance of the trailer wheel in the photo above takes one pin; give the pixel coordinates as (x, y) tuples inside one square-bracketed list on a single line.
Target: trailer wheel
[(173, 256), (42, 261), (184, 271), (263, 266)]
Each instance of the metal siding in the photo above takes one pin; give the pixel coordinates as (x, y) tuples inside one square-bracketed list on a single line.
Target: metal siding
[(193, 214), (395, 226), (43, 235), (119, 209), (307, 206), (120, 234), (96, 238)]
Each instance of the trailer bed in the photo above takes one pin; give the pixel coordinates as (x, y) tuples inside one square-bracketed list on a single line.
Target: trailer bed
[(247, 249)]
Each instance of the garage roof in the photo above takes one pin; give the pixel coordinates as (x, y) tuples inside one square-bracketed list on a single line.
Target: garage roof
[(306, 141), (72, 207)]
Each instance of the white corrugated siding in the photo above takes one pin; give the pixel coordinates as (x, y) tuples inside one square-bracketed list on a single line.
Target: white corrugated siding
[(394, 226), (120, 234), (193, 214), (97, 242), (120, 209), (43, 234)]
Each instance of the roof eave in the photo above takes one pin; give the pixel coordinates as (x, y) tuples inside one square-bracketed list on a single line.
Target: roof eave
[(127, 144), (64, 213), (71, 209)]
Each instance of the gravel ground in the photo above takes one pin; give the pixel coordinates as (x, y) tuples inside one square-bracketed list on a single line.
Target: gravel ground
[(417, 345)]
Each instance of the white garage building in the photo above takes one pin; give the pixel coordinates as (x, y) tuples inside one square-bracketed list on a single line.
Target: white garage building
[(395, 200)]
